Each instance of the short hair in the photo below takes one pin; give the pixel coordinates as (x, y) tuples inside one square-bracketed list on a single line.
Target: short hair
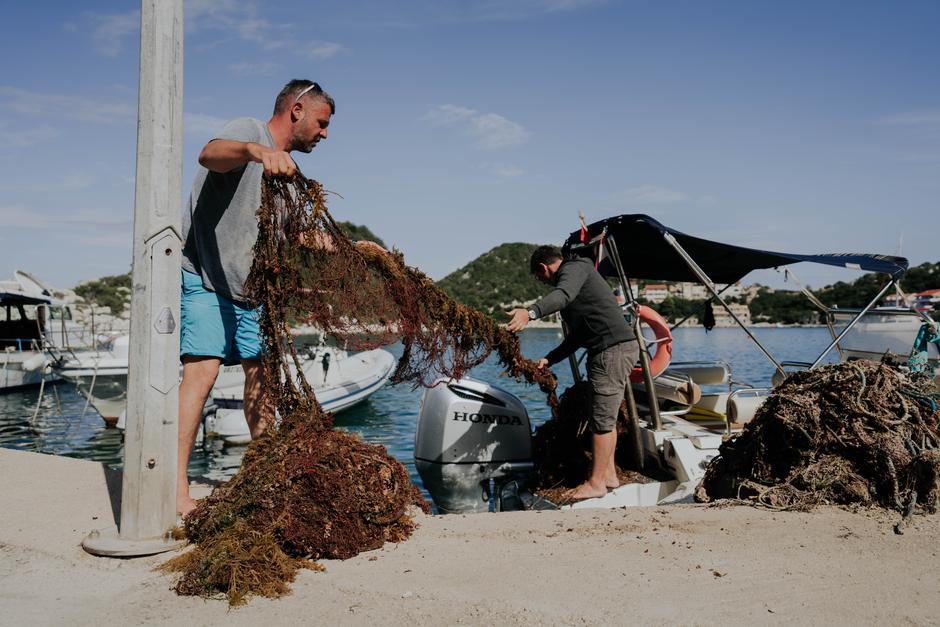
[(543, 254), (288, 95)]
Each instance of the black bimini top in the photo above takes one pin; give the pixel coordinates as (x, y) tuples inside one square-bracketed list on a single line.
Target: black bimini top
[(18, 298), (645, 254)]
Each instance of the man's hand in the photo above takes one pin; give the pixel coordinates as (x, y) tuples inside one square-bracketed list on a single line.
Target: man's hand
[(275, 162), (542, 363), (365, 244), (520, 318)]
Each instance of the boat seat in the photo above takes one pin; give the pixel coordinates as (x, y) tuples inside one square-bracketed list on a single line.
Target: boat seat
[(703, 372)]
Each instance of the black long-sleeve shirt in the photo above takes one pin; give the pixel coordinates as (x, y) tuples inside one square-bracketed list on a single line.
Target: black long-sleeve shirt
[(587, 306)]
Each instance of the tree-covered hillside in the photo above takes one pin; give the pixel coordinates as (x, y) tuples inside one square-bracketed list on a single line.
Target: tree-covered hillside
[(496, 279), (361, 232), (109, 291), (926, 276)]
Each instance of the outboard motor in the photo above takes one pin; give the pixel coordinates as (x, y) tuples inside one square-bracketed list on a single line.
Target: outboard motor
[(473, 446)]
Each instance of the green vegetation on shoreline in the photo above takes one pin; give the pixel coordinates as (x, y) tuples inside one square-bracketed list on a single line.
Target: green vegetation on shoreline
[(108, 291)]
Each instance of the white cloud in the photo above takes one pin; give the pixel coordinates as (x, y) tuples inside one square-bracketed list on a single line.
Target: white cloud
[(77, 180), (110, 31), (504, 170), (202, 124), (253, 68), (325, 49), (488, 130), (22, 217), (97, 227), (25, 137), (62, 106), (648, 195), (928, 119), (521, 9), (448, 114)]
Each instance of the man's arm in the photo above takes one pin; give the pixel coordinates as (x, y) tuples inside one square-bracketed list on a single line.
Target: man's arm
[(323, 240), (567, 346), (570, 279), (224, 155)]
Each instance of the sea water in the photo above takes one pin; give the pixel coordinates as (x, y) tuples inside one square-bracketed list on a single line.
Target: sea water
[(63, 425)]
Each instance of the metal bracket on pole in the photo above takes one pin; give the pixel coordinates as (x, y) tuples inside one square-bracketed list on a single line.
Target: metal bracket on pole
[(710, 286), (148, 491)]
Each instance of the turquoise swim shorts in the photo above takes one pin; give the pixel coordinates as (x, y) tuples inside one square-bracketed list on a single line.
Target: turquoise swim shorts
[(211, 325)]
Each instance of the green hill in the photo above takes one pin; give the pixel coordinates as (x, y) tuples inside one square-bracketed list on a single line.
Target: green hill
[(496, 280), (361, 232), (109, 291)]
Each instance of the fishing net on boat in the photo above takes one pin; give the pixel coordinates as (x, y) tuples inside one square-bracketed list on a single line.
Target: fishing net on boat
[(563, 447), (304, 490), (854, 433)]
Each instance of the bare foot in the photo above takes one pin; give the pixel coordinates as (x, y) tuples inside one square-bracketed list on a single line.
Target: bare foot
[(586, 490), (185, 506)]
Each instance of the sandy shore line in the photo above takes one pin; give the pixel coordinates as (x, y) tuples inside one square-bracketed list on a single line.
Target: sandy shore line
[(681, 564)]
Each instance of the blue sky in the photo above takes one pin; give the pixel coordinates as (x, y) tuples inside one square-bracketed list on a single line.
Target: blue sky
[(797, 126)]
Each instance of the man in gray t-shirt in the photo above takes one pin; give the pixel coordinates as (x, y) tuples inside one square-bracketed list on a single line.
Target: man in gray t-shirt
[(217, 325)]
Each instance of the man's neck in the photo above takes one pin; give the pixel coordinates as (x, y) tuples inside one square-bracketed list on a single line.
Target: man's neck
[(279, 127)]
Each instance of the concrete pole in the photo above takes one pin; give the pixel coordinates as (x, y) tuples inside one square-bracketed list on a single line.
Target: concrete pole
[(148, 497)]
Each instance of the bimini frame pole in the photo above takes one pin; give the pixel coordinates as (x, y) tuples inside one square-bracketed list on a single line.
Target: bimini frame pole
[(710, 286), (641, 342), (148, 492), (852, 323), (572, 360)]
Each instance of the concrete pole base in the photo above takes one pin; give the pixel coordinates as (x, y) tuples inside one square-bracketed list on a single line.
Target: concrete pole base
[(109, 543)]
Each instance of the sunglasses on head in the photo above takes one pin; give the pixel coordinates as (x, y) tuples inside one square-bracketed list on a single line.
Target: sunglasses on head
[(315, 88)]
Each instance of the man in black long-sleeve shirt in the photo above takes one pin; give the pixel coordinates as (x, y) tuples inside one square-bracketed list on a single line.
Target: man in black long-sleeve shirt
[(595, 322)]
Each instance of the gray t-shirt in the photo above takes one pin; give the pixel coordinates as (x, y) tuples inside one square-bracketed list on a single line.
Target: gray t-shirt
[(219, 222)]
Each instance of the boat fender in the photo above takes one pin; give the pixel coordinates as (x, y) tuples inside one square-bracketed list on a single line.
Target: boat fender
[(36, 362), (660, 360)]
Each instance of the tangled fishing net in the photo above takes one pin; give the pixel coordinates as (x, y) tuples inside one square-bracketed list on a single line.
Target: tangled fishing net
[(854, 433), (563, 447), (304, 490)]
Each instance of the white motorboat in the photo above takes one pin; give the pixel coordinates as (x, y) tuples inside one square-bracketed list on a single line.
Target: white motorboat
[(32, 322), (100, 375), (883, 331), (339, 380), (473, 443)]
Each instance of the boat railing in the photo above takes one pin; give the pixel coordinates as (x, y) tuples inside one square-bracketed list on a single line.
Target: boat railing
[(19, 344)]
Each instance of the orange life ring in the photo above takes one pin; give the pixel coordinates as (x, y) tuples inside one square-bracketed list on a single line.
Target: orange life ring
[(662, 357)]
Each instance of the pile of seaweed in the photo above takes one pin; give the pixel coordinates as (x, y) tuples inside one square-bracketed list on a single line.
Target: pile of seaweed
[(304, 490), (854, 433)]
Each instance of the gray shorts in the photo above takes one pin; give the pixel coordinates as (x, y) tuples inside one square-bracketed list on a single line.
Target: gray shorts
[(608, 372)]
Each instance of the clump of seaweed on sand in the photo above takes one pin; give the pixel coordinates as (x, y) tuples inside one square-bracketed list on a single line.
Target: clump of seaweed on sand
[(306, 491), (854, 433)]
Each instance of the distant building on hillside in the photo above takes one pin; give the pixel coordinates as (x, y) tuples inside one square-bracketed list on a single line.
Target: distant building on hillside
[(723, 319), (697, 291), (928, 300), (655, 292), (688, 291)]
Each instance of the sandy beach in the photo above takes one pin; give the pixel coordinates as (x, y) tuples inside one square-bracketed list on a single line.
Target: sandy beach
[(664, 565)]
